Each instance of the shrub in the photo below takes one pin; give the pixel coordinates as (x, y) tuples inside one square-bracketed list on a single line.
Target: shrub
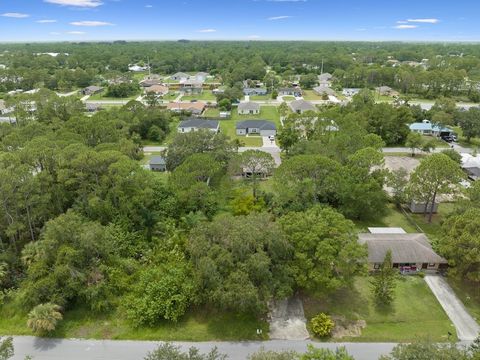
[(322, 325), (44, 318)]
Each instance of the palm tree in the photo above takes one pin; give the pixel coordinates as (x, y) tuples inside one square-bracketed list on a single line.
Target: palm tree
[(44, 318)]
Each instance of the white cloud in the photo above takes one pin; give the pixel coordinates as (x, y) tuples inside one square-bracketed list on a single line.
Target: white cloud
[(406, 27), (426, 21), (76, 32), (361, 29), (149, 6), (15, 15), (90, 23), (207, 30), (46, 21), (54, 33), (402, 22), (79, 3), (279, 17)]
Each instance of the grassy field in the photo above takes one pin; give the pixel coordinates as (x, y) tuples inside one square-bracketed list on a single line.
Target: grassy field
[(205, 95), (393, 218), (211, 113), (469, 294), (101, 96), (433, 229), (261, 97), (414, 314), (438, 142), (311, 95), (288, 98), (198, 325)]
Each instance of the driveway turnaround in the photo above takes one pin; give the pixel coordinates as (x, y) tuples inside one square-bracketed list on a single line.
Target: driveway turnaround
[(467, 328), (72, 349)]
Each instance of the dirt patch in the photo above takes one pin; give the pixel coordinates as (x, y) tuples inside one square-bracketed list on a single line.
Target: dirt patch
[(396, 162), (287, 320), (347, 328)]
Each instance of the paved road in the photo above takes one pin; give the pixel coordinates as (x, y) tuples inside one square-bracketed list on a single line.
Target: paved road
[(458, 148), (61, 349), (467, 328)]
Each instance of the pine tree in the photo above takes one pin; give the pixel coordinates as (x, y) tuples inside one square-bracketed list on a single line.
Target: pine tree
[(384, 282)]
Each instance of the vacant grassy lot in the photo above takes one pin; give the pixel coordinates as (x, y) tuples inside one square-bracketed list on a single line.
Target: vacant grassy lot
[(261, 97), (311, 95), (393, 218), (102, 96), (205, 96), (288, 98), (198, 325), (415, 312)]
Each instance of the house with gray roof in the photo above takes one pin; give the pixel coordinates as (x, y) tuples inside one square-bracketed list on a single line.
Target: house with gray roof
[(300, 106), (248, 108), (291, 91), (325, 77), (197, 124), (409, 251), (260, 127), (90, 90), (254, 91), (179, 76), (157, 163)]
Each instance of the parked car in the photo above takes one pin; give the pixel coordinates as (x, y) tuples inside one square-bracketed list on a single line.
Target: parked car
[(447, 138)]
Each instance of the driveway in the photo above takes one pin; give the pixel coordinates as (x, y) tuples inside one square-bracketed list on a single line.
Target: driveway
[(74, 349), (287, 320), (467, 328)]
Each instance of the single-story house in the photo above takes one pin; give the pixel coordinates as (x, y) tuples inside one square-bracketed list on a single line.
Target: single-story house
[(386, 91), (92, 107), (150, 82), (410, 252), (350, 91), (261, 127), (254, 91), (195, 108), (301, 106), (292, 91), (427, 128), (218, 91), (179, 76), (157, 163), (324, 90), (249, 107), (90, 90), (159, 90), (197, 124), (225, 114), (191, 86), (325, 77)]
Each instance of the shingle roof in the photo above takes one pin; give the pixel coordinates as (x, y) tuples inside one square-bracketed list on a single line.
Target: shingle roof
[(324, 90), (258, 124), (249, 106), (325, 77), (157, 160), (301, 105), (405, 248), (199, 124)]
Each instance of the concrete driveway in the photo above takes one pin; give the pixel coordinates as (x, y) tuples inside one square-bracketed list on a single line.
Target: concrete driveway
[(467, 328), (287, 320)]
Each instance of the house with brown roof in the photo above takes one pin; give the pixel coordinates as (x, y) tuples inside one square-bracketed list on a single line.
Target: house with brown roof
[(410, 252), (195, 108), (159, 90)]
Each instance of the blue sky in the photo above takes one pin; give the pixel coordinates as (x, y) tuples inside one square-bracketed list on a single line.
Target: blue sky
[(411, 20)]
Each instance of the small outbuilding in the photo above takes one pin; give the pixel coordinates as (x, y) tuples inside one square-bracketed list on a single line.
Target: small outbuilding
[(157, 163)]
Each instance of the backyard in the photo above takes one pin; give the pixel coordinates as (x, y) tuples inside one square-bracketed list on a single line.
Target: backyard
[(414, 314)]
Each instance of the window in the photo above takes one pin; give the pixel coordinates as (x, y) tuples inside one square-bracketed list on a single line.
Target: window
[(431, 265)]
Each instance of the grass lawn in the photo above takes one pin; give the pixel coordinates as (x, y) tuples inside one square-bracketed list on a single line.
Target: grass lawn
[(101, 96), (211, 112), (288, 98), (198, 325), (438, 142), (205, 95), (433, 229), (261, 97), (469, 294), (414, 314), (266, 113), (393, 218), (462, 140), (170, 96), (311, 95)]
